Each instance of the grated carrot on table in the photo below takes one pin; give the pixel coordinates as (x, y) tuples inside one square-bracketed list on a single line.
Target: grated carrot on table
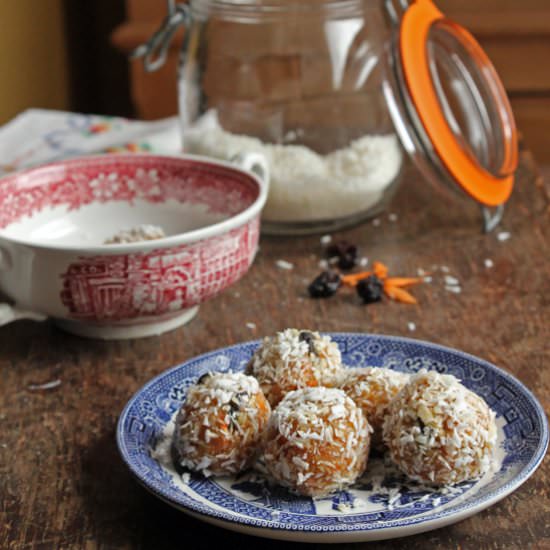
[(380, 270), (398, 294), (404, 281)]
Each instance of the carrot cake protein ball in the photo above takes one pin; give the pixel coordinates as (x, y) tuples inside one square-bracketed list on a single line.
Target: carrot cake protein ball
[(439, 432), (372, 388), (221, 425), (294, 359), (317, 441)]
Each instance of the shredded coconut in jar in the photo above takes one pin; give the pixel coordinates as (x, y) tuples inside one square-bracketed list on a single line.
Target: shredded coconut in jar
[(137, 234), (306, 186)]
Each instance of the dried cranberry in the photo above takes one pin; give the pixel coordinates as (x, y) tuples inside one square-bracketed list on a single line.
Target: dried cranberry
[(325, 285), (346, 254), (370, 289)]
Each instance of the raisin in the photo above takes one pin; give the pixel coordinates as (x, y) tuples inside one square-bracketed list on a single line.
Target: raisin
[(203, 378), (370, 289), (249, 369), (346, 254), (306, 336), (237, 401), (325, 285), (235, 406)]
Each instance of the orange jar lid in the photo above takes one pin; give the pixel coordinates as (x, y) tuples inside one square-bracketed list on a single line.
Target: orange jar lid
[(491, 185)]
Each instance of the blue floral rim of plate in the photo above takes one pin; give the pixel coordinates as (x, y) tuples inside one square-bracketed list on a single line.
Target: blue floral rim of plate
[(523, 440)]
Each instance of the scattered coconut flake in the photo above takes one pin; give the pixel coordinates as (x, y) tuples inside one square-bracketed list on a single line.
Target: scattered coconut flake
[(488, 263), (376, 222), (453, 289), (503, 236), (343, 507), (323, 264), (411, 326), (451, 281), (186, 477), (393, 217), (428, 279), (144, 232), (420, 272), (363, 262), (46, 386), (290, 136), (251, 326), (393, 496), (283, 264), (326, 239), (445, 269)]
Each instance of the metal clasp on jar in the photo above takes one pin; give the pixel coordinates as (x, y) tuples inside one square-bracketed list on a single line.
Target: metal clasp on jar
[(154, 51)]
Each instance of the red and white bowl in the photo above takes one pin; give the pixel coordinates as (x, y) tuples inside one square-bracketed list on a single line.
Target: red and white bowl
[(55, 219)]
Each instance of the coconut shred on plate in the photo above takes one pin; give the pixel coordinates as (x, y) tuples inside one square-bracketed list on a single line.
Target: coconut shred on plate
[(307, 186)]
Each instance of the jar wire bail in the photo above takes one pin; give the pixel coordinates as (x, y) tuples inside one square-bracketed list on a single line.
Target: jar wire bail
[(492, 217), (395, 9), (155, 50)]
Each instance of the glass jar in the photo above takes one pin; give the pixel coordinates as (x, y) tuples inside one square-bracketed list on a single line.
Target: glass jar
[(333, 92)]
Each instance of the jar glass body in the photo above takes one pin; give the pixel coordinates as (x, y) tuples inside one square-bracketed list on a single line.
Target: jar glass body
[(301, 83)]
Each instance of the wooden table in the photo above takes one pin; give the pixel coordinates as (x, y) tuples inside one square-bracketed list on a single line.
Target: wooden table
[(62, 483)]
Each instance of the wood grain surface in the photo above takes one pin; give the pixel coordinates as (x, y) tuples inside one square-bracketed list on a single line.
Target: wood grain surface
[(62, 483)]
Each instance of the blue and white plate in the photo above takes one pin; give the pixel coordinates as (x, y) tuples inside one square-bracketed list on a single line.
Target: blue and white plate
[(383, 504)]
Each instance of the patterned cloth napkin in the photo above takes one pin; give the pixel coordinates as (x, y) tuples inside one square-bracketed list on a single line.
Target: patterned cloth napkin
[(38, 136)]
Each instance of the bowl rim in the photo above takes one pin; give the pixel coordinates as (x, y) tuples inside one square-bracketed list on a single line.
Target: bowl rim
[(171, 241)]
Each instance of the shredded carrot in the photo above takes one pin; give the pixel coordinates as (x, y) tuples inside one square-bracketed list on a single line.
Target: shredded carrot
[(380, 270), (399, 295), (354, 278), (404, 281), (393, 286)]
